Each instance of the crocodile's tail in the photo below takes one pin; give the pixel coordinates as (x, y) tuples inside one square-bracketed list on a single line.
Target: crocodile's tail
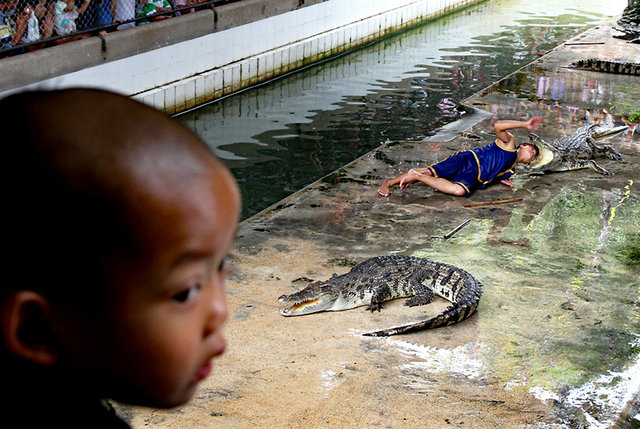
[(453, 314), (608, 66)]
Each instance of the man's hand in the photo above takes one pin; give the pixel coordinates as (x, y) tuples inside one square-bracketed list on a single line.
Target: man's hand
[(534, 123)]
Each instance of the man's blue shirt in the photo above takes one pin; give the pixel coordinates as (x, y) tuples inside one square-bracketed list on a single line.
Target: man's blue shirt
[(477, 168)]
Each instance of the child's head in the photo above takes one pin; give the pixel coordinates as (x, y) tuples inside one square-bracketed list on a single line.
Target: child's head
[(119, 225)]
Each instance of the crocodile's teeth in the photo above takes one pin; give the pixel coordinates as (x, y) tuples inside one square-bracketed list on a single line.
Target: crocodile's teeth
[(304, 304), (545, 156)]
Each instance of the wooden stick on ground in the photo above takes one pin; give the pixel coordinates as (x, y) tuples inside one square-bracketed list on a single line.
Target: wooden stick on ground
[(453, 231), (493, 202), (456, 229), (583, 43)]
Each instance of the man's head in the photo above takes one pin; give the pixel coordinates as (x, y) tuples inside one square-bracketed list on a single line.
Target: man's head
[(120, 222), (527, 152)]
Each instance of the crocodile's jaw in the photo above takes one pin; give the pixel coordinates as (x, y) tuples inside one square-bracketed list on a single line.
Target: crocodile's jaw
[(606, 132), (545, 157), (308, 305)]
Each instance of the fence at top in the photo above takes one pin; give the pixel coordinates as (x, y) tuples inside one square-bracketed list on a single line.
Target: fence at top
[(27, 25)]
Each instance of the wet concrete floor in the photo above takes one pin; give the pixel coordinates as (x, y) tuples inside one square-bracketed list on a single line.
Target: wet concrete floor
[(554, 342)]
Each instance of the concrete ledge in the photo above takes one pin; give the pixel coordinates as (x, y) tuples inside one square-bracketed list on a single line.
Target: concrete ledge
[(145, 38), (50, 62), (246, 11)]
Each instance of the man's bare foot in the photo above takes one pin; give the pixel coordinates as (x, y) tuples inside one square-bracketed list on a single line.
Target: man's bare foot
[(384, 190), (507, 182)]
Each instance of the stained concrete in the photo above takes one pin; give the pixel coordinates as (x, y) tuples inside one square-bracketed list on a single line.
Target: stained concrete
[(560, 303)]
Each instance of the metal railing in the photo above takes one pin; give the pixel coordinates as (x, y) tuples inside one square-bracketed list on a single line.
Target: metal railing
[(28, 25)]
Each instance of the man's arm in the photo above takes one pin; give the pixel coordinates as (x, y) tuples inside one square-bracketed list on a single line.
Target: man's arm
[(501, 129)]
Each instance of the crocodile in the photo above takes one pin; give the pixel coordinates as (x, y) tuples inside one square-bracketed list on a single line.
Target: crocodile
[(629, 22), (575, 151), (607, 66), (383, 278)]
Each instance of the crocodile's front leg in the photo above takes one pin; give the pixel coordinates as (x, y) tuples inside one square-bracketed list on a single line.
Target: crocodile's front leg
[(603, 149), (576, 164), (607, 150), (381, 292), (597, 168)]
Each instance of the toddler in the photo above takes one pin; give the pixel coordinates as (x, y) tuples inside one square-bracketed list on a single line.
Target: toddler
[(119, 222)]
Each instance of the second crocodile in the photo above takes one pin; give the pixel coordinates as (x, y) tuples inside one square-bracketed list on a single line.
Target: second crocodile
[(629, 23), (383, 278), (576, 151), (608, 66)]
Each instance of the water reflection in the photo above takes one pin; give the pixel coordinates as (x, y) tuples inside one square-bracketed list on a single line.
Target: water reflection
[(571, 93), (280, 137), (568, 101)]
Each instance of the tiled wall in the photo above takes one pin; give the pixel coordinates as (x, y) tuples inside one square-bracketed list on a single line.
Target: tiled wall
[(240, 57), (183, 75)]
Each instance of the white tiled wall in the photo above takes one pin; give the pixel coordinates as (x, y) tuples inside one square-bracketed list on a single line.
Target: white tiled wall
[(178, 77), (261, 50)]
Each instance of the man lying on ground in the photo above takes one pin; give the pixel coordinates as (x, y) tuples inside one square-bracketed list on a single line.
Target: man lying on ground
[(463, 172)]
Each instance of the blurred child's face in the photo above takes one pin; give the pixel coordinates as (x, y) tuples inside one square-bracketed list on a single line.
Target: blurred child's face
[(165, 312)]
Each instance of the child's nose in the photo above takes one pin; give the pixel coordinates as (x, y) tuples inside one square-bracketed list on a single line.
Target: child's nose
[(217, 312)]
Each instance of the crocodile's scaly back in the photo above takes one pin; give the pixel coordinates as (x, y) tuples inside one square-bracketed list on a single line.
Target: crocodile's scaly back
[(383, 278)]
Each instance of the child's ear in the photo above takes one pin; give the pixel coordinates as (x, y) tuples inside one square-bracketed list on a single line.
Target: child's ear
[(26, 327)]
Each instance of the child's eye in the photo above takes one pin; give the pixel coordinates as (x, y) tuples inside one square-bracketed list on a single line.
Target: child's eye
[(224, 264), (187, 294)]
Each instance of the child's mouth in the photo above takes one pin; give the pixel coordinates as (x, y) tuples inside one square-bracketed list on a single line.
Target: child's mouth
[(204, 371)]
